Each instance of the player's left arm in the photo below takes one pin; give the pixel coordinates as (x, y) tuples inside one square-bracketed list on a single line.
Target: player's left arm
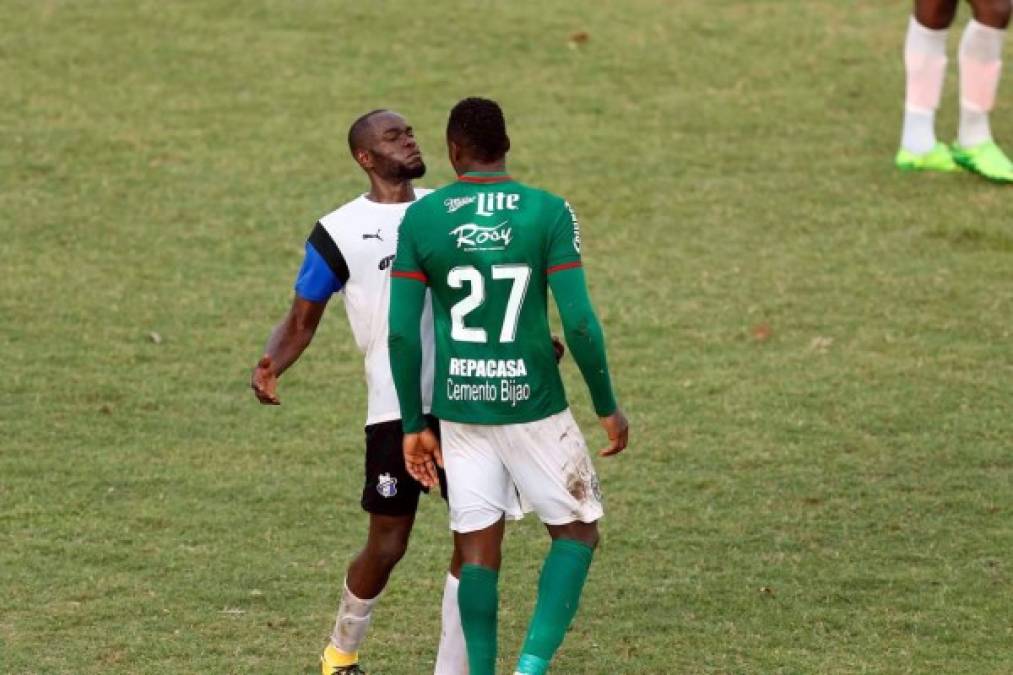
[(584, 335), (581, 327)]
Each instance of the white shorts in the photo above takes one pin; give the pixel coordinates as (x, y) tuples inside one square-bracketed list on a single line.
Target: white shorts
[(508, 470)]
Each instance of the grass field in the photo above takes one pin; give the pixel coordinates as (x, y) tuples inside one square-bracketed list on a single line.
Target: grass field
[(814, 350)]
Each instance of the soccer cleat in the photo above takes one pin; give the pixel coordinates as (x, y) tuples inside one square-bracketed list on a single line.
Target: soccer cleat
[(347, 670), (333, 662), (529, 664), (936, 159), (353, 669), (986, 159)]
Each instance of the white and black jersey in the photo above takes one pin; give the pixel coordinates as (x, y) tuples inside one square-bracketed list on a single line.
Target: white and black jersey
[(350, 251)]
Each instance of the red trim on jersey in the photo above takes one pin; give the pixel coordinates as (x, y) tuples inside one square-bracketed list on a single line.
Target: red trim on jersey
[(484, 179), (417, 276), (563, 266)]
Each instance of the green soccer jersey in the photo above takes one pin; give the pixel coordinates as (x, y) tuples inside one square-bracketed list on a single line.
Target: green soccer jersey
[(485, 246)]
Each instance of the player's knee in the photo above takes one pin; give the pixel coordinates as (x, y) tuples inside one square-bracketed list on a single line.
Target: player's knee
[(386, 552), (479, 552), (936, 15), (994, 13), (585, 533)]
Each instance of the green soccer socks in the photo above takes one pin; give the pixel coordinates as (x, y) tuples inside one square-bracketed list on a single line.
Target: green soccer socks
[(559, 588), (478, 600)]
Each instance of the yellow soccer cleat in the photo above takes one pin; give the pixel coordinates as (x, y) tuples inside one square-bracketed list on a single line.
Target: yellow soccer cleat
[(334, 662)]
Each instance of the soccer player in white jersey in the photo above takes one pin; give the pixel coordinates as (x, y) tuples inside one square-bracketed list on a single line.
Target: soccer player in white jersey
[(350, 251), (980, 65)]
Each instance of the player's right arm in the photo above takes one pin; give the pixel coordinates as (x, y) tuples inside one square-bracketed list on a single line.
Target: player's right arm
[(322, 274), (408, 284), (404, 338), (581, 327), (287, 342)]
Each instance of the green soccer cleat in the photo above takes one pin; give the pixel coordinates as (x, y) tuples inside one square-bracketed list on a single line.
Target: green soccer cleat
[(936, 159), (987, 160)]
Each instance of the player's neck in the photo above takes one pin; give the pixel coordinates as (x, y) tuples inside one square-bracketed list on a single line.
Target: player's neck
[(499, 166), (390, 193)]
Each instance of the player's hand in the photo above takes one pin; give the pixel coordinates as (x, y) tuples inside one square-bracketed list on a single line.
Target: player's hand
[(421, 455), (264, 382), (557, 346), (618, 430)]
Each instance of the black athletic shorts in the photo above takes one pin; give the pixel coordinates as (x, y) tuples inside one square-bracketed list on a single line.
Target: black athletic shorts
[(389, 489)]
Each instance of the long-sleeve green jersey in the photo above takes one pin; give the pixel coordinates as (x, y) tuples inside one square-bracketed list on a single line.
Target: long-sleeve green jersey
[(489, 247)]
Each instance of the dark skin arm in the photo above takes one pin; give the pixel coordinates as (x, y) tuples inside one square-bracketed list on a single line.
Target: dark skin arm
[(287, 342)]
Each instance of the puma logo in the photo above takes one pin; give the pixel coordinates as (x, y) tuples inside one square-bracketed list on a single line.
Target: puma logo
[(372, 236)]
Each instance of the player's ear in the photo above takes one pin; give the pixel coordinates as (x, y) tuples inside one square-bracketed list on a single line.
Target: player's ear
[(506, 144), (364, 158), (453, 153)]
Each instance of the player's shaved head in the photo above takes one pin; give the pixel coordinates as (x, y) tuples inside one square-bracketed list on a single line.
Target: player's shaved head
[(360, 134), (477, 125), (383, 143)]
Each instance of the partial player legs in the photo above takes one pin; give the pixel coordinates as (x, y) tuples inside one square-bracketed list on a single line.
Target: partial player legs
[(386, 544), (548, 464), (980, 59), (979, 55), (925, 69), (452, 656), (366, 578), (478, 594), (559, 588)]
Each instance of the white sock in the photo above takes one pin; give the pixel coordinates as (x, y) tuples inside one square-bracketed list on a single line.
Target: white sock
[(919, 135), (452, 659), (352, 621), (925, 68), (980, 60)]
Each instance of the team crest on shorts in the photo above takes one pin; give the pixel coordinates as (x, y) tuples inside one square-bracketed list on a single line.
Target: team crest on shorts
[(386, 485)]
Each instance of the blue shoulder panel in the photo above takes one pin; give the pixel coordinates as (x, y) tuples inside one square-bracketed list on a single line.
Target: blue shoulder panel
[(316, 281)]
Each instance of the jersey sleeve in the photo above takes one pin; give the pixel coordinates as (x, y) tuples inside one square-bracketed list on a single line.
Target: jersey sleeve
[(564, 241), (404, 346), (324, 271), (584, 336), (407, 263), (404, 341)]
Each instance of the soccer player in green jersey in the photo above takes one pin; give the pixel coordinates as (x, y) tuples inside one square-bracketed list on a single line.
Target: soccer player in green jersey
[(489, 248)]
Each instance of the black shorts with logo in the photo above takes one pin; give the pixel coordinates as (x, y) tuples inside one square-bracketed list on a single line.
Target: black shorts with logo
[(389, 489)]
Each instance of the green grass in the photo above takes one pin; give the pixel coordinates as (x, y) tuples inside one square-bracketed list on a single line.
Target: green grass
[(835, 498)]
